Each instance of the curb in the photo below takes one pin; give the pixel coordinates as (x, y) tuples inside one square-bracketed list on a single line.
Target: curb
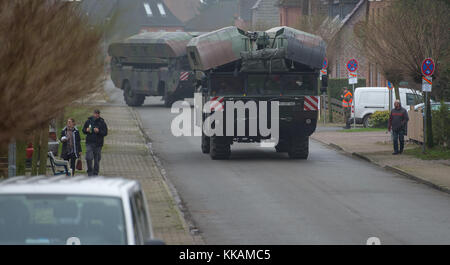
[(390, 168), (418, 179), (180, 209)]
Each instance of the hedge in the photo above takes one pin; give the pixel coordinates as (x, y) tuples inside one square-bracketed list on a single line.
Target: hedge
[(335, 86)]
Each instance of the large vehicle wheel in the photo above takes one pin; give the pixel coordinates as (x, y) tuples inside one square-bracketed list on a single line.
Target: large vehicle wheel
[(168, 99), (206, 144), (132, 99), (282, 146), (366, 121), (299, 148), (219, 148)]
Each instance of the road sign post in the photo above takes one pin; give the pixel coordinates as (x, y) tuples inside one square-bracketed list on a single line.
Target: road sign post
[(352, 66), (322, 73), (427, 68), (390, 86)]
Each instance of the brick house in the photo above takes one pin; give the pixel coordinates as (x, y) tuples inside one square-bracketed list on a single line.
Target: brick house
[(265, 14), (344, 15), (245, 14), (374, 10), (345, 47)]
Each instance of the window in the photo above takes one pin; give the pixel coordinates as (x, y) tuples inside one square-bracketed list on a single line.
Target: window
[(227, 85), (274, 84), (148, 10), (140, 214), (305, 7), (413, 99), (161, 9), (53, 219)]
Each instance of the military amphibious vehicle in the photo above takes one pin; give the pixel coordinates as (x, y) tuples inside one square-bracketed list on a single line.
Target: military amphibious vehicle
[(278, 65), (152, 64)]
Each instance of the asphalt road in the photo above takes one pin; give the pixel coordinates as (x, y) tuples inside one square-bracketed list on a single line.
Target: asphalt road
[(262, 197)]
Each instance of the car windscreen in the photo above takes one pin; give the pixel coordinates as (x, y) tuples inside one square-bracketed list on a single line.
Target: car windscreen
[(227, 85), (61, 219), (282, 84)]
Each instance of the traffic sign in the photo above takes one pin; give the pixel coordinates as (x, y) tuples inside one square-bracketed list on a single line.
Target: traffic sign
[(323, 72), (428, 67), (389, 85), (325, 63), (353, 78), (427, 82), (352, 65)]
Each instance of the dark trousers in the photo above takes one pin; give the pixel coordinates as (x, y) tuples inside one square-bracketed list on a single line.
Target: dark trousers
[(72, 159), (347, 116), (72, 165), (399, 136), (93, 153)]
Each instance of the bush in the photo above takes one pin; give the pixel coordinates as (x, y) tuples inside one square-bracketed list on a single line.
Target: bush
[(441, 126), (379, 119)]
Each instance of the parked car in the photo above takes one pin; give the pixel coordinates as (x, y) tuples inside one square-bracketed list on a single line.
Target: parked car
[(80, 210), (434, 106), (371, 99)]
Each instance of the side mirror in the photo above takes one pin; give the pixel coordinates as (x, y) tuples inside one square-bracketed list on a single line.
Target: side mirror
[(154, 242), (324, 86)]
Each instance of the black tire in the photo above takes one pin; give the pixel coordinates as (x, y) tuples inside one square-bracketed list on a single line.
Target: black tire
[(132, 99), (219, 148), (366, 121), (206, 144), (282, 146), (168, 99), (299, 148)]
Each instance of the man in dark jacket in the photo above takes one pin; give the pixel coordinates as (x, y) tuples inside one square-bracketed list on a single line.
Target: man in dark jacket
[(398, 123), (71, 143), (95, 129)]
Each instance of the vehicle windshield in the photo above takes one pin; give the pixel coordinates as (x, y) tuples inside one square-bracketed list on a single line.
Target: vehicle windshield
[(227, 85), (285, 84), (58, 219)]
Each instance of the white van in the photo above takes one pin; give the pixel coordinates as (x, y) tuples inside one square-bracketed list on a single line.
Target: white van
[(371, 99)]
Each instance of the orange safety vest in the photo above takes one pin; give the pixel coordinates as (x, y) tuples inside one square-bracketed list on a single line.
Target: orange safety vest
[(347, 99)]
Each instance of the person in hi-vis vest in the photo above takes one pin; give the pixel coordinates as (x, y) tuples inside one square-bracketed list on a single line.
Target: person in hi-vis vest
[(347, 101)]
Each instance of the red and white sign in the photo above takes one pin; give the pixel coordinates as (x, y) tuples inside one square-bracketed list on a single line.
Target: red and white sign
[(311, 103), (184, 76), (216, 103)]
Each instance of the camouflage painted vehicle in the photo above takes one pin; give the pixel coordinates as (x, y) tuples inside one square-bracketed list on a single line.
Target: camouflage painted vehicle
[(152, 64), (281, 64)]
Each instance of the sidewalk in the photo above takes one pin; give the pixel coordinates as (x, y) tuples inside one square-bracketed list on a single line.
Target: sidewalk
[(126, 154), (376, 147)]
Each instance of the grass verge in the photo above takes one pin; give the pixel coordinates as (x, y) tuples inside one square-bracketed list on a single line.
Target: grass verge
[(436, 153)]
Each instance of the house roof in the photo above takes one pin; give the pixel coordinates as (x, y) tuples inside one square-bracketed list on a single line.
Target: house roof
[(257, 3), (161, 15), (341, 23), (290, 2), (183, 9), (216, 16)]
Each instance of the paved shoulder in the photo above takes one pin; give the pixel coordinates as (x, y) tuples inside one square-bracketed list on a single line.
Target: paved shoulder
[(126, 154)]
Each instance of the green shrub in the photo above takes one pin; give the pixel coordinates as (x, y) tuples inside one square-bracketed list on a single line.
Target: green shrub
[(379, 119), (441, 126)]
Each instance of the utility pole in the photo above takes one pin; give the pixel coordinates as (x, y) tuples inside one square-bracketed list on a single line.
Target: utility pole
[(12, 159)]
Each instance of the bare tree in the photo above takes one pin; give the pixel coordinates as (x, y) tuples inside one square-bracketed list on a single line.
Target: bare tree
[(50, 57), (401, 38)]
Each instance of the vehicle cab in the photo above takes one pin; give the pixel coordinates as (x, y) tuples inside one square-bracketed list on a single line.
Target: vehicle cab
[(79, 210)]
